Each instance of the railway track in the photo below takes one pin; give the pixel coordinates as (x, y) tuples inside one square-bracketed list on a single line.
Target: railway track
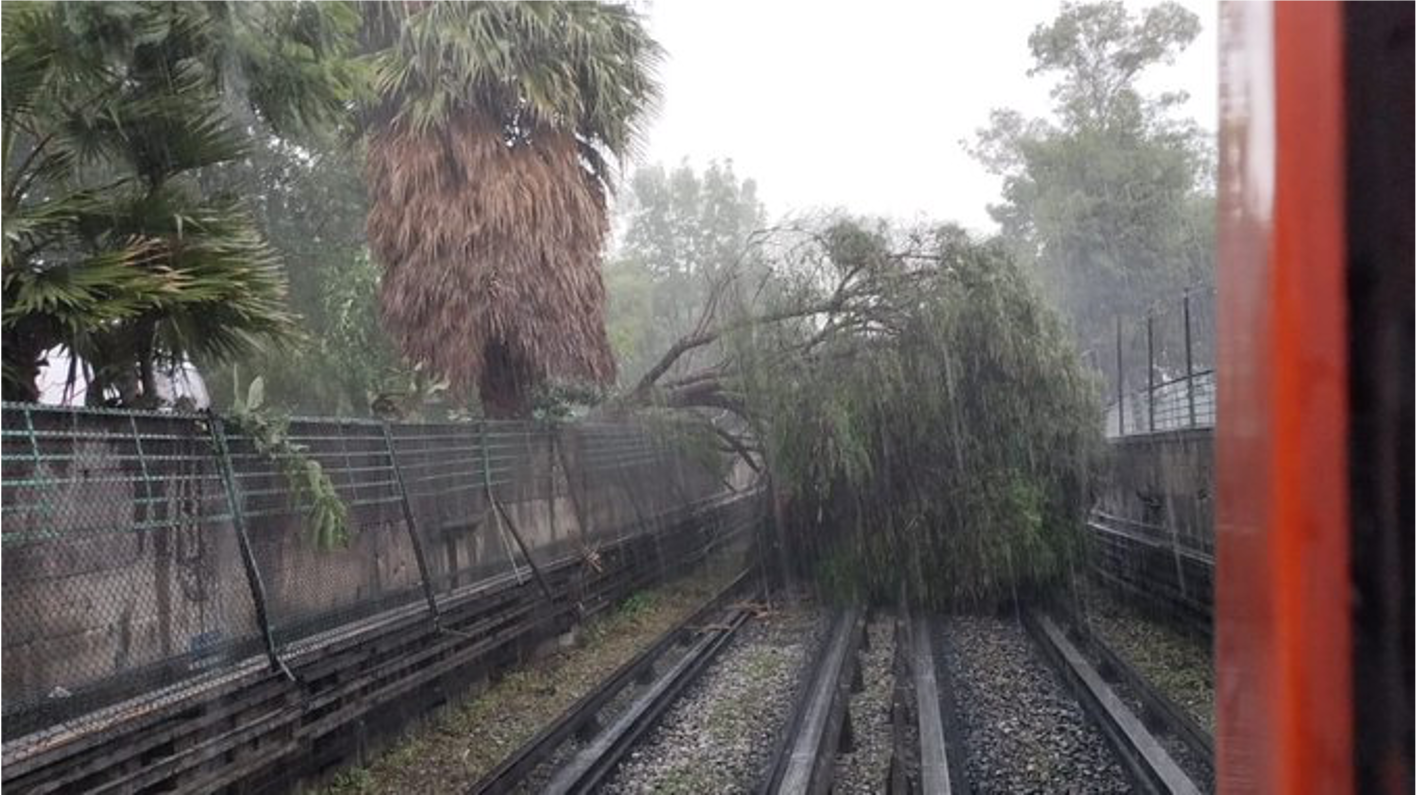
[(926, 754), (1093, 672), (821, 725), (644, 687), (581, 750)]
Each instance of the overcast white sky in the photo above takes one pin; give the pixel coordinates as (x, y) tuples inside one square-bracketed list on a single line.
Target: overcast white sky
[(863, 105)]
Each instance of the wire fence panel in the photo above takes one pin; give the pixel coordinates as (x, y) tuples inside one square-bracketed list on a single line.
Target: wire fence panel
[(312, 586), (124, 565), (1158, 369), (121, 567)]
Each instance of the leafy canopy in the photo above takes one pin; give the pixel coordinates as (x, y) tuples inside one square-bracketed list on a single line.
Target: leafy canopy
[(1110, 203), (112, 113), (683, 232), (586, 67), (488, 168), (922, 416)]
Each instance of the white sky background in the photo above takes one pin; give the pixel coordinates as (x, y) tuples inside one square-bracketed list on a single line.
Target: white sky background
[(862, 106)]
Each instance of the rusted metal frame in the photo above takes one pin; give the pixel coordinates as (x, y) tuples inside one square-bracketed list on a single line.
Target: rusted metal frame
[(598, 759), (217, 429), (411, 522), (1147, 763), (806, 762), (514, 770)]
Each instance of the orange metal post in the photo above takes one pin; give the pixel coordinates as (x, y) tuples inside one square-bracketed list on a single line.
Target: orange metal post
[(1283, 641)]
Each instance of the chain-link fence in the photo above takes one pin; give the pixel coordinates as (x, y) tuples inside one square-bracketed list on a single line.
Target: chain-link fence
[(1159, 369), (143, 549)]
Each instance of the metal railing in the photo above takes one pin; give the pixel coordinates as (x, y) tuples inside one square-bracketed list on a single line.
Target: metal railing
[(1159, 368), (143, 549)]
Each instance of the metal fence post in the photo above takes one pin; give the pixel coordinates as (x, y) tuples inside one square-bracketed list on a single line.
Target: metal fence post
[(500, 515), (248, 557), (1150, 369), (1189, 362), (412, 523), (1120, 385), (551, 482)]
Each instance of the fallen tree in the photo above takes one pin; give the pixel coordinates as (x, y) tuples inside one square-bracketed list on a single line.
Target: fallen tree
[(920, 415)]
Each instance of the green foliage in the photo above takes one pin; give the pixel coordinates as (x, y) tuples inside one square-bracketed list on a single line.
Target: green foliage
[(1112, 204), (683, 233), (589, 66), (636, 604), (557, 402), (268, 431), (112, 114), (936, 434)]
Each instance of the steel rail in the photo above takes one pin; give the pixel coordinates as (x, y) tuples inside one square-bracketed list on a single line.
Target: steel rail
[(594, 763), (581, 717), (806, 761), (1147, 763), (933, 749), (1174, 719)]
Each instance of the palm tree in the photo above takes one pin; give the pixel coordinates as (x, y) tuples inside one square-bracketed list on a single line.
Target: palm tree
[(110, 113), (488, 168)]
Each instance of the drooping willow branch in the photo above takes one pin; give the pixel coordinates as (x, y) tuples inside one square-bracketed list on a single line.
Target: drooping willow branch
[(863, 299)]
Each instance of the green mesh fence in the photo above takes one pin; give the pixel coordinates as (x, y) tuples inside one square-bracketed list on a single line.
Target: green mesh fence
[(145, 551)]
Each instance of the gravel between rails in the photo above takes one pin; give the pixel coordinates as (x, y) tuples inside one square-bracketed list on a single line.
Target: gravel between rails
[(451, 752), (867, 766), (1022, 730), (1177, 663), (720, 735)]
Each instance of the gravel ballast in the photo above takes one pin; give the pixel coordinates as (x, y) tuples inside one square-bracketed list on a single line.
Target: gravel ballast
[(1022, 730), (720, 735), (865, 768), (454, 750), (1177, 663)]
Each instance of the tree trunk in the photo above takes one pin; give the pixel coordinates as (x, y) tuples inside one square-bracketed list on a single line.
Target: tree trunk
[(504, 385), (23, 363)]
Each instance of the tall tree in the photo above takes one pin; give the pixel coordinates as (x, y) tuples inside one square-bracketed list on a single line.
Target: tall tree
[(111, 113), (682, 231), (1112, 201), (310, 203), (488, 167)]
